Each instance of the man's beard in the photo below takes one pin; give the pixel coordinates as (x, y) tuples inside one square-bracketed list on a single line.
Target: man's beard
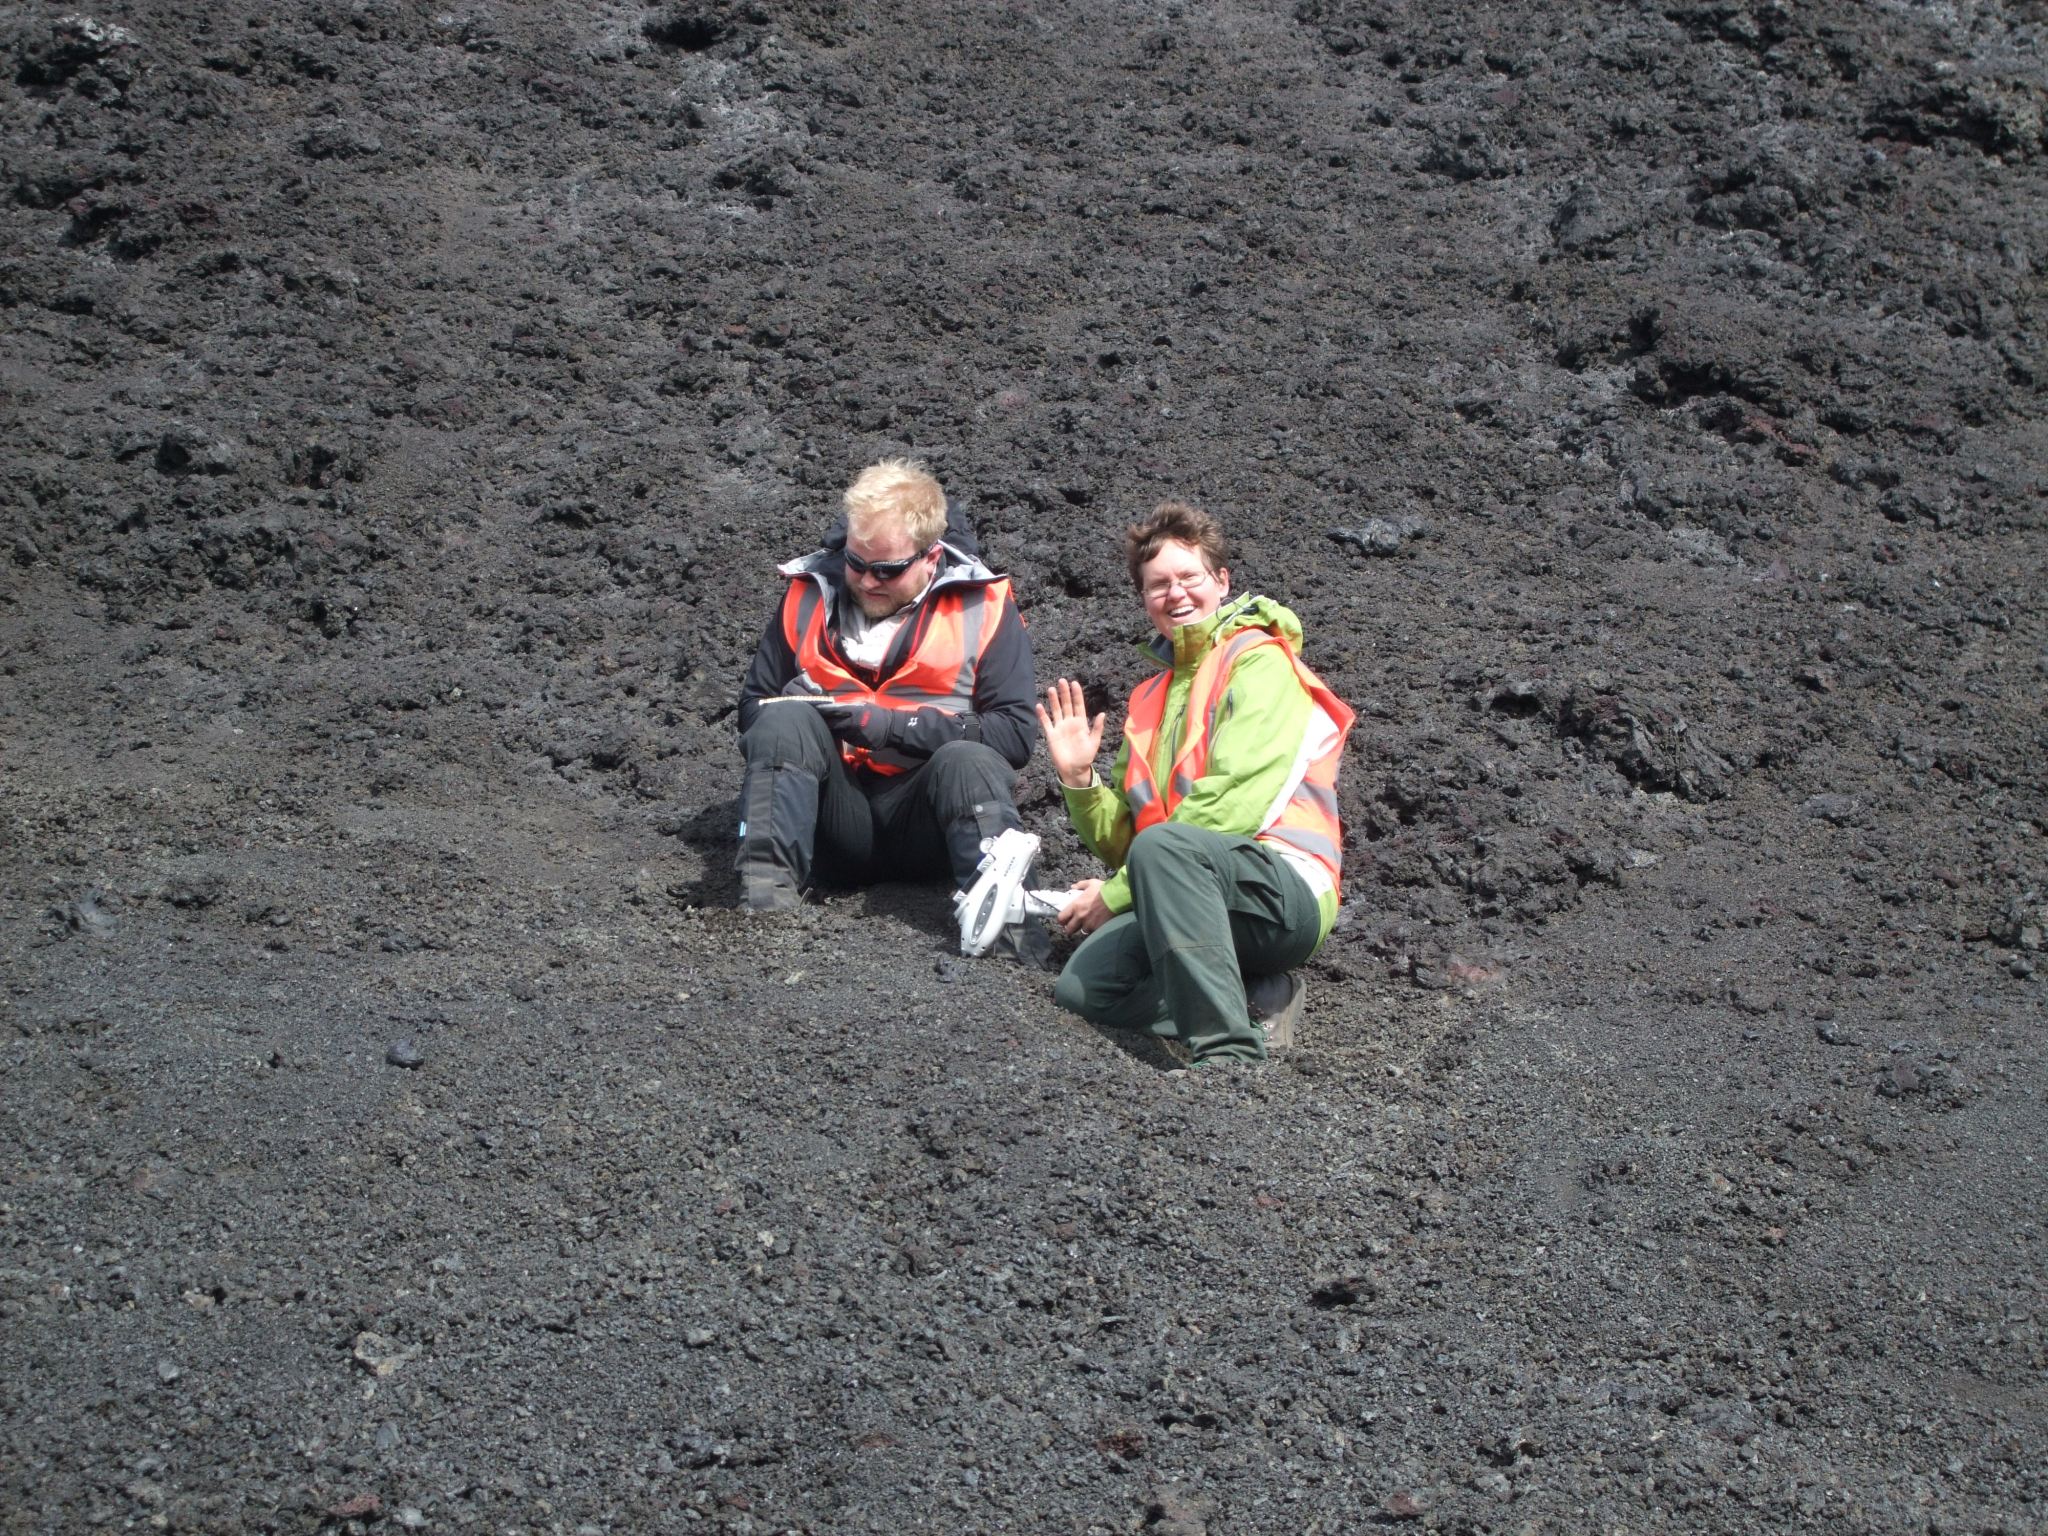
[(881, 605), (885, 603)]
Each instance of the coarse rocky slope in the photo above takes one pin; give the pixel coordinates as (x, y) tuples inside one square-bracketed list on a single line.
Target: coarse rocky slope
[(1640, 403)]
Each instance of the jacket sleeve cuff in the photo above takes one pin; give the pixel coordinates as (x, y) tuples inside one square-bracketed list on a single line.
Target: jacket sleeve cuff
[(1116, 892)]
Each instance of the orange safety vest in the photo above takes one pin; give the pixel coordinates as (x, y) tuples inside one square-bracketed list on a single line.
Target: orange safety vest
[(1306, 822), (953, 629)]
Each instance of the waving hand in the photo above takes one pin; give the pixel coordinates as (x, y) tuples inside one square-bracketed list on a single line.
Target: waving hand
[(1072, 739)]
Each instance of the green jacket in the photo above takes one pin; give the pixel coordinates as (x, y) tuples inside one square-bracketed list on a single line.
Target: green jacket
[(1252, 750)]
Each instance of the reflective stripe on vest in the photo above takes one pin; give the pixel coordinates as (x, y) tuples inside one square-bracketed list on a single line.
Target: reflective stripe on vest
[(952, 632), (1307, 821)]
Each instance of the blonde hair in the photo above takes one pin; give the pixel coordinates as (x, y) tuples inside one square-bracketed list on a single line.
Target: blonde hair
[(899, 491)]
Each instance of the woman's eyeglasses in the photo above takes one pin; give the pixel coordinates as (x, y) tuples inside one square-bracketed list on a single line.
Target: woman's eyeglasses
[(1159, 591), (884, 570)]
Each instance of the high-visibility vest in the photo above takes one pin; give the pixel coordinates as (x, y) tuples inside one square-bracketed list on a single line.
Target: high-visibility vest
[(953, 629), (1305, 821)]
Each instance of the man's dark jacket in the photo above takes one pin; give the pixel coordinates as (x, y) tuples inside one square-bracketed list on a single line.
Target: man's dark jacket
[(1004, 716)]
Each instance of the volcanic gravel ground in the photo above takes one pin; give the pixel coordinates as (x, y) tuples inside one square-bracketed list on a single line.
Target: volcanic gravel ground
[(1640, 404)]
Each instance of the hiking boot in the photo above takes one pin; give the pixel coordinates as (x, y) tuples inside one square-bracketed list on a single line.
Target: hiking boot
[(1276, 1003), (761, 891)]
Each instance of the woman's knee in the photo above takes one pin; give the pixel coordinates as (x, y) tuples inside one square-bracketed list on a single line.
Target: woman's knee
[(1071, 991), (1167, 845)]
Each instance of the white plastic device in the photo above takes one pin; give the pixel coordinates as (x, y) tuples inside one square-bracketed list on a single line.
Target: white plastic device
[(998, 896)]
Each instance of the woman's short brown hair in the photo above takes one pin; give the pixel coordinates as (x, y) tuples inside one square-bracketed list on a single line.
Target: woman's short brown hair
[(1173, 522)]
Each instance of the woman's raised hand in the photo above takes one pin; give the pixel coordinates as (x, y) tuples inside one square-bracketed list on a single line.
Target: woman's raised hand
[(1071, 738)]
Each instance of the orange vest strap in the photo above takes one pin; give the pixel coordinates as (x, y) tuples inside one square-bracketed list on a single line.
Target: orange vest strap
[(1308, 822), (954, 630)]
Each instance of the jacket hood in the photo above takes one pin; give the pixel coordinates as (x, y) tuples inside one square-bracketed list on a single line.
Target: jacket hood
[(1191, 642), (828, 566), (962, 562), (959, 532)]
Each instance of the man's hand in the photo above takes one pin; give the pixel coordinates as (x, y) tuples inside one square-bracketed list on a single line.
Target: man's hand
[(922, 731), (1071, 738), (860, 725), (1085, 911), (914, 732)]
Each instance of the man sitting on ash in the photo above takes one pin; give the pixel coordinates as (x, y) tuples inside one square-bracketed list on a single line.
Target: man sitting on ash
[(888, 706)]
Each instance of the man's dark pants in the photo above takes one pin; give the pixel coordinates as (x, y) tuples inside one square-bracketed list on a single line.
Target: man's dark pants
[(804, 816)]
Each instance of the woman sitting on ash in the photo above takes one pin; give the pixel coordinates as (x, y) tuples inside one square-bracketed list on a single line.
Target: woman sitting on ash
[(1220, 820)]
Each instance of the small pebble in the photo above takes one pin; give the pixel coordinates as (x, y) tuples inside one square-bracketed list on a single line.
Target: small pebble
[(404, 1053), (86, 915), (1378, 535), (1402, 1505), (1903, 1078)]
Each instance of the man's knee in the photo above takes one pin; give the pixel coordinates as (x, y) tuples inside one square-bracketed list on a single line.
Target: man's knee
[(787, 736), (965, 772)]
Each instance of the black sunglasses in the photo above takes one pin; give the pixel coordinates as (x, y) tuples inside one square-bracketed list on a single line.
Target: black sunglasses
[(884, 570)]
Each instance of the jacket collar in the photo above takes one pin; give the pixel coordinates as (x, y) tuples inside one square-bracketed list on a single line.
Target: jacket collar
[(1191, 642), (826, 567)]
